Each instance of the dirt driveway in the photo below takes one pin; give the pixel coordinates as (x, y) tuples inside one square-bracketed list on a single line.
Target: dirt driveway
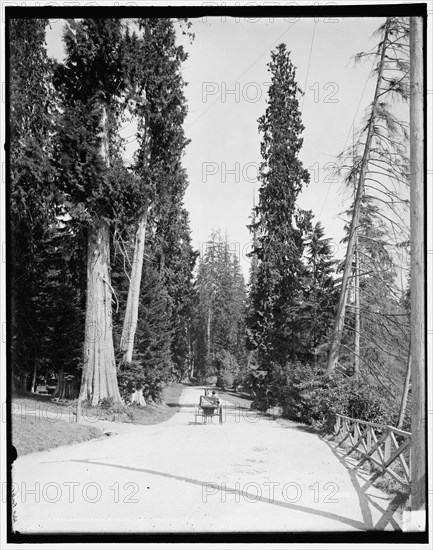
[(248, 474)]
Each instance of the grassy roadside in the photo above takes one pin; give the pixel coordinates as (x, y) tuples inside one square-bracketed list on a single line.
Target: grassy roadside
[(33, 435), (43, 407), (39, 423), (242, 400)]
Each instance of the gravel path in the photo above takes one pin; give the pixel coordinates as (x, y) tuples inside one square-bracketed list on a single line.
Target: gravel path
[(248, 474)]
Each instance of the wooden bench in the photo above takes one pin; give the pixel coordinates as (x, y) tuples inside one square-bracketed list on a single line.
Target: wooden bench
[(207, 409)]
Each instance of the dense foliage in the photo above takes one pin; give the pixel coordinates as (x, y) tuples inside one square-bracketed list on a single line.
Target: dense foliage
[(292, 285), (276, 323), (163, 329), (32, 192), (219, 325), (69, 178), (70, 182)]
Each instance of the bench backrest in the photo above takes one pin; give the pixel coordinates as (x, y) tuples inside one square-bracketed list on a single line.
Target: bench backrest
[(206, 401)]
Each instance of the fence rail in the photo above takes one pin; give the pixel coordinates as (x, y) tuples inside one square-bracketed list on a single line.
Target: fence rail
[(382, 445)]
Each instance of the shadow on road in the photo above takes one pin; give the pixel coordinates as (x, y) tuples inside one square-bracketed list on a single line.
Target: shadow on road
[(354, 524), (302, 428), (182, 405), (362, 481)]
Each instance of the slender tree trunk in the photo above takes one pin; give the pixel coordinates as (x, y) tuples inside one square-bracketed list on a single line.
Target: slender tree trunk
[(58, 392), (417, 315), (357, 310), (405, 393), (341, 310), (190, 370), (209, 315), (132, 304), (315, 307), (131, 313), (99, 377), (35, 371), (193, 348), (208, 358)]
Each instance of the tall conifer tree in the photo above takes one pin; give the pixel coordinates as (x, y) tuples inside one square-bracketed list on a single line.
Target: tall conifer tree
[(32, 193), (280, 224), (91, 83)]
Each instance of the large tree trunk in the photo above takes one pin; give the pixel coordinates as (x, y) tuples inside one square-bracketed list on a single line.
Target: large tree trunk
[(417, 257), (131, 313), (341, 310), (99, 379)]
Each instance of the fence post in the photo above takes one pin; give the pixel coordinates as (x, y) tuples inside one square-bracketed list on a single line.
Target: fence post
[(410, 465), (355, 433), (368, 439), (387, 452), (337, 426), (78, 411)]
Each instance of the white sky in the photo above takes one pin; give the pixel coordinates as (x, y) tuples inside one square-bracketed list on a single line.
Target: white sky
[(223, 127), (224, 153)]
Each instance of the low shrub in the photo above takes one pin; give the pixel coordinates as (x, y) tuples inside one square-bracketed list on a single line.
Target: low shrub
[(106, 403), (266, 387), (225, 380), (135, 377), (308, 394)]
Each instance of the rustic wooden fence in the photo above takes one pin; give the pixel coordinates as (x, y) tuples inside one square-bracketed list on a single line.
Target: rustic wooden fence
[(382, 445)]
